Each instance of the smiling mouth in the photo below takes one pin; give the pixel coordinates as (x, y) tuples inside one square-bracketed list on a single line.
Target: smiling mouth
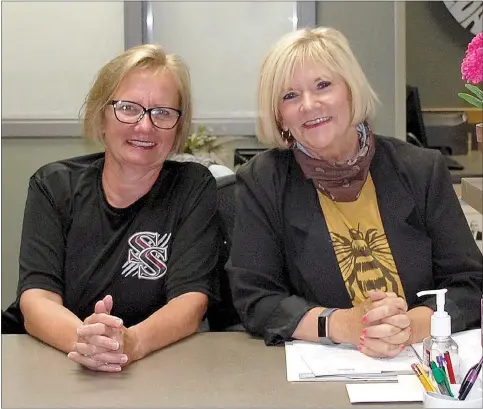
[(317, 121), (141, 144)]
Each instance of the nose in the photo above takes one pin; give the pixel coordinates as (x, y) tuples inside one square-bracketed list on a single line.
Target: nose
[(145, 123), (309, 101)]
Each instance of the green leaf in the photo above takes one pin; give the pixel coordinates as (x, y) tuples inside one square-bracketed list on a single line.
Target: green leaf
[(475, 90), (471, 99)]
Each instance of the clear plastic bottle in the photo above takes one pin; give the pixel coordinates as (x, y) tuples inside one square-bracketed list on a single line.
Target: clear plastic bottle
[(440, 340)]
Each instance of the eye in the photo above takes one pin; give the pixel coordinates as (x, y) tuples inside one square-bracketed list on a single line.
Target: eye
[(289, 95), (323, 84), (126, 107), (162, 112)]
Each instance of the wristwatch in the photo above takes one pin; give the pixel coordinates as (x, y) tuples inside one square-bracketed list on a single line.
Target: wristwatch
[(323, 326)]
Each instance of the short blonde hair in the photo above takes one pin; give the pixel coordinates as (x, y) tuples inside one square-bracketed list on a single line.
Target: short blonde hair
[(323, 45), (147, 56)]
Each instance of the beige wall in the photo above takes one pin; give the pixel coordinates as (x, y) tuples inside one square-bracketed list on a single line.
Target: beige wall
[(435, 47)]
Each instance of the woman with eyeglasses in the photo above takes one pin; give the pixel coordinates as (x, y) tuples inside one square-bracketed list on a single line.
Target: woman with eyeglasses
[(118, 247)]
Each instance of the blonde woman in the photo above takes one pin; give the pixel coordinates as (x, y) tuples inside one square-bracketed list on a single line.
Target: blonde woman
[(118, 247), (336, 228)]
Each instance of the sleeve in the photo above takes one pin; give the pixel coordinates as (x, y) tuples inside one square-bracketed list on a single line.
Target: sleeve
[(42, 246), (195, 245), (259, 282), (457, 261)]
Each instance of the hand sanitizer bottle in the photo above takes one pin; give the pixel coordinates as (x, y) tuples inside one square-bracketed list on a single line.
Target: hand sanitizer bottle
[(440, 340)]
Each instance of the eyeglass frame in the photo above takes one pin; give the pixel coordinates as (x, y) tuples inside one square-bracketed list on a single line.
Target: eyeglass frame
[(113, 102)]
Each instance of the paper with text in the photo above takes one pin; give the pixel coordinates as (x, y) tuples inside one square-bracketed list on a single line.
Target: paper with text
[(326, 360)]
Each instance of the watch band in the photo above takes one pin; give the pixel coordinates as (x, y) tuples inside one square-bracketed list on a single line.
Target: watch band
[(323, 326)]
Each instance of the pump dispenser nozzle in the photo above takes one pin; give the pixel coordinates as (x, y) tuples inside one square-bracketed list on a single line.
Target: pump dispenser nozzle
[(440, 320)]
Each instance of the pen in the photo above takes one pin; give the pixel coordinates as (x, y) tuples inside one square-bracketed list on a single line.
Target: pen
[(427, 377), (440, 362), (469, 380), (449, 365), (428, 387), (440, 379), (442, 365)]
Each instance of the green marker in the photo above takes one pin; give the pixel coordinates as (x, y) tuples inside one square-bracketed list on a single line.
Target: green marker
[(440, 379)]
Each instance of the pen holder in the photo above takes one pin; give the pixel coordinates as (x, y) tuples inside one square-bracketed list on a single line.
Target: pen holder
[(473, 400)]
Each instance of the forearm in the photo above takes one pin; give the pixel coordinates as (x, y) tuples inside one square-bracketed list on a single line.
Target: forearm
[(420, 318), (340, 327), (48, 320), (178, 319), (307, 329)]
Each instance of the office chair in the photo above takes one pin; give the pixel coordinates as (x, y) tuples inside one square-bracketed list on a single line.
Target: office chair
[(222, 316), (12, 320)]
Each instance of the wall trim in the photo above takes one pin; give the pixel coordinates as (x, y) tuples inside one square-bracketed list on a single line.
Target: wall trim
[(133, 23), (306, 14), (68, 128), (41, 128)]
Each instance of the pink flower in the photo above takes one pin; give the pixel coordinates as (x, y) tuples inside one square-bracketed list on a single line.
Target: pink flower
[(472, 65), (475, 44), (472, 72)]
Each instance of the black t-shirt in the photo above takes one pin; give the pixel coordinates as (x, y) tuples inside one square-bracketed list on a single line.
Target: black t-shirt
[(78, 246)]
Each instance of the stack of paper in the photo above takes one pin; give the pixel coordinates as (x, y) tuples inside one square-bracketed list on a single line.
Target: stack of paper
[(307, 361), (407, 389)]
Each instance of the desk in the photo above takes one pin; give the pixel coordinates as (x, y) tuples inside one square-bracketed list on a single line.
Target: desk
[(207, 370), (473, 163), (472, 192)]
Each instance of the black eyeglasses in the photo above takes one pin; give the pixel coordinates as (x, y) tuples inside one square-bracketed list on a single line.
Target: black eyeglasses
[(129, 112)]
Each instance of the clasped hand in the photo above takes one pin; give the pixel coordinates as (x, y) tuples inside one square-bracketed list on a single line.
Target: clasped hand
[(101, 340), (386, 326)]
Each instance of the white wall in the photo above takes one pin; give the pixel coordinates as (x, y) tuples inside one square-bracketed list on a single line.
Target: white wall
[(224, 44), (51, 52)]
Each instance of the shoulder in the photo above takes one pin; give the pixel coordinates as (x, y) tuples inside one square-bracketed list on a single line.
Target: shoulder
[(66, 173), (276, 158), (415, 162), (188, 175), (267, 167)]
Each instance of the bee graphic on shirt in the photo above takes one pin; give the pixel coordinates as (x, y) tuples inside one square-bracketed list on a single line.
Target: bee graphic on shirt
[(366, 263)]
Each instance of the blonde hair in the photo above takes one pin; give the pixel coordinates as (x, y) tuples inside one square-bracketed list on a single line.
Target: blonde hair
[(147, 56), (323, 45)]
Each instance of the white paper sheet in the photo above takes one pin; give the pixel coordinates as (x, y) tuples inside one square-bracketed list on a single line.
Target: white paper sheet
[(325, 360), (299, 371), (407, 389)]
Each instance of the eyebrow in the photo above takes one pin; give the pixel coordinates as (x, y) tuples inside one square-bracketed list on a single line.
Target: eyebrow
[(315, 80)]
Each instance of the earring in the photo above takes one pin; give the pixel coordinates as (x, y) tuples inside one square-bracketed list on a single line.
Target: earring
[(288, 138)]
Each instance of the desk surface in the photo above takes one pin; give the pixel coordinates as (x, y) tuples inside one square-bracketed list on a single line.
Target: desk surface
[(208, 370), (472, 192)]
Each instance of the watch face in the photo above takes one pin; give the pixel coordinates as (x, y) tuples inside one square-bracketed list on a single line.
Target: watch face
[(469, 14), (322, 333)]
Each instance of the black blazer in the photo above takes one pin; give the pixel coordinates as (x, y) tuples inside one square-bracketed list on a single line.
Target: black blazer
[(282, 262)]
